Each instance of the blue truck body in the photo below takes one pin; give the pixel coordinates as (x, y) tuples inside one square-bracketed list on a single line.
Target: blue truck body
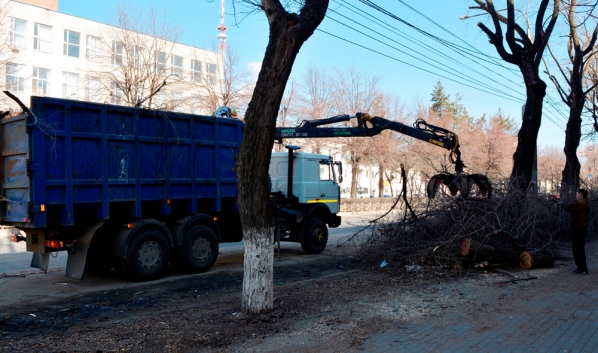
[(76, 159), (136, 189)]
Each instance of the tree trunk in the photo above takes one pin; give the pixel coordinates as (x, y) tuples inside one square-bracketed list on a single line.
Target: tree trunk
[(354, 174), (523, 159), (570, 175), (538, 258), (381, 181), (258, 262), (576, 100), (288, 32)]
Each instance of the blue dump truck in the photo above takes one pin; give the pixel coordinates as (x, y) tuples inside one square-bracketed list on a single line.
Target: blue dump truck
[(137, 189)]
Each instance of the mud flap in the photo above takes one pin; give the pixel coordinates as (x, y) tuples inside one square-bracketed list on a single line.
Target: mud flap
[(41, 261), (75, 263)]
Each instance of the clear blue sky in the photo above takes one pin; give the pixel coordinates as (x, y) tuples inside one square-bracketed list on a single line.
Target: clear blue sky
[(410, 63)]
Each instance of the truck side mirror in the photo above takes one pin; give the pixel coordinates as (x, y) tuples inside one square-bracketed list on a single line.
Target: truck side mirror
[(340, 171)]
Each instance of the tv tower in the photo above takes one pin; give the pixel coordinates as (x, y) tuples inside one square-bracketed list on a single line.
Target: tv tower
[(222, 28)]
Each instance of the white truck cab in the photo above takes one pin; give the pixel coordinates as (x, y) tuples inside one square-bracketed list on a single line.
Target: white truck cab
[(315, 178), (306, 196)]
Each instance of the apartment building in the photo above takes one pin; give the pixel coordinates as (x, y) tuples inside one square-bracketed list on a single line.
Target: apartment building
[(54, 54)]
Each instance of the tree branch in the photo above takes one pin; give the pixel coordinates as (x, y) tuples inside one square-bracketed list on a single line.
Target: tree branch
[(542, 36), (496, 40), (558, 65), (559, 89)]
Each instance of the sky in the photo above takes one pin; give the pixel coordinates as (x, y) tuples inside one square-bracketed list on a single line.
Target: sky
[(409, 44)]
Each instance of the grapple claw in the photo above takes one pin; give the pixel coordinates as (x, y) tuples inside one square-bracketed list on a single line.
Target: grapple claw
[(460, 184)]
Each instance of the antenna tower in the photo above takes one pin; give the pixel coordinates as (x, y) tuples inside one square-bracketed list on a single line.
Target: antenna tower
[(222, 28)]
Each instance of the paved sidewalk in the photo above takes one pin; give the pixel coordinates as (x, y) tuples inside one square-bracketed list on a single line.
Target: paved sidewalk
[(557, 312)]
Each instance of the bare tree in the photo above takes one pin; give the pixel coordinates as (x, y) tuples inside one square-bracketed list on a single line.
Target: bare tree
[(225, 84), (526, 53), (573, 93), (288, 32), (550, 162), (12, 40), (385, 146), (139, 48), (356, 92), (315, 101)]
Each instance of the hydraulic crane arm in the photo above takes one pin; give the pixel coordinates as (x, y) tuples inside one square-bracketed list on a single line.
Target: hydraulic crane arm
[(458, 182)]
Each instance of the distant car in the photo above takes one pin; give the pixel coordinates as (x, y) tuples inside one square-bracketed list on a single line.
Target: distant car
[(386, 195)]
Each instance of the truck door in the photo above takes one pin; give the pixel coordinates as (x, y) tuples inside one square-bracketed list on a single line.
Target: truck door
[(328, 187), (311, 181)]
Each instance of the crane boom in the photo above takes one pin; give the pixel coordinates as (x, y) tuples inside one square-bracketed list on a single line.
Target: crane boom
[(366, 125)]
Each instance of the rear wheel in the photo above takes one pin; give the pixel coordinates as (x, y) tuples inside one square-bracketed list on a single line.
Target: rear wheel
[(147, 255), (315, 237), (198, 252)]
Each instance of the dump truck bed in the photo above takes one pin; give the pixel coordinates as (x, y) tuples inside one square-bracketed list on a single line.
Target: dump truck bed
[(69, 160)]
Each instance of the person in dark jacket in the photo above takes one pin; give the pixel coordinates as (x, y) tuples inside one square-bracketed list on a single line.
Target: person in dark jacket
[(580, 212)]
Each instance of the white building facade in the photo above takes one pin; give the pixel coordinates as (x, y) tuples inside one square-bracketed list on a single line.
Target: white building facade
[(54, 54)]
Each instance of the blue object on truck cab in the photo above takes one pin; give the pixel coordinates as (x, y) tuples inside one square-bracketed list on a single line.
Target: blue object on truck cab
[(72, 159)]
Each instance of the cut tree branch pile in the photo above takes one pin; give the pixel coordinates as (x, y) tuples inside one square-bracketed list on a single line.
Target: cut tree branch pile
[(511, 229)]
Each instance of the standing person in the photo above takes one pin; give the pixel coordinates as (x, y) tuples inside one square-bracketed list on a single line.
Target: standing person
[(580, 212)]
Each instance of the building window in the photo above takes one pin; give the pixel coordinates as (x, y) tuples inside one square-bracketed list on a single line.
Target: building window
[(116, 94), (160, 61), (18, 33), (212, 73), (70, 46), (93, 46), (118, 53), (93, 89), (196, 70), (42, 38), (137, 54), (15, 77), (41, 81), (70, 85), (176, 62)]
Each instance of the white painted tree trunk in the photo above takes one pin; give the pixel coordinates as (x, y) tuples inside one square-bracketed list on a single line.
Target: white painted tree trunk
[(258, 268)]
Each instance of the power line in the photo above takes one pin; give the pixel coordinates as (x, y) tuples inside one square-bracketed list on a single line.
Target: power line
[(425, 47), (463, 76), (414, 66), (455, 47)]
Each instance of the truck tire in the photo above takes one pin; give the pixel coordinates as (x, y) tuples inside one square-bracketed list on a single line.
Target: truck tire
[(198, 252), (315, 237), (147, 255)]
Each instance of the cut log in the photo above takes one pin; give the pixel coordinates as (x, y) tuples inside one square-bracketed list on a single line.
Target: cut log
[(465, 247), (537, 258), (476, 249)]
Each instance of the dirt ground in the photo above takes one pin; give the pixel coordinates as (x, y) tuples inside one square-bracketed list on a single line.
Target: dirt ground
[(327, 303)]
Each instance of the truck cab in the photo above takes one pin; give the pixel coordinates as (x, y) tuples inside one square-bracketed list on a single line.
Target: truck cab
[(306, 194), (315, 178)]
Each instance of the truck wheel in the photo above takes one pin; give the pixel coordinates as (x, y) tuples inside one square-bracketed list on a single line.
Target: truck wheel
[(315, 237), (147, 255), (198, 252)]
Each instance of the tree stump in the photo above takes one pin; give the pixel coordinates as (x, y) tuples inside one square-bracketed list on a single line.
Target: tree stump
[(537, 258)]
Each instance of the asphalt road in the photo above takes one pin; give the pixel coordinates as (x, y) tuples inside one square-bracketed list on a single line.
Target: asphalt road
[(15, 260)]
